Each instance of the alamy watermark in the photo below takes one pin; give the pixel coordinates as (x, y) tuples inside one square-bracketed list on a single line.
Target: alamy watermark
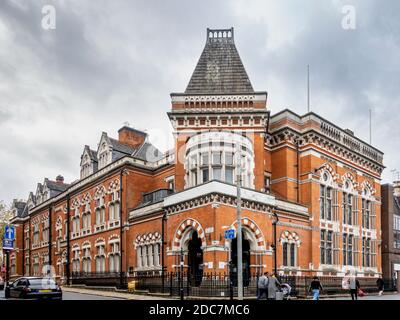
[(349, 21), (49, 17)]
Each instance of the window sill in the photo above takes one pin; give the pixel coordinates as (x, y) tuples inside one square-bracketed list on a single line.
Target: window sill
[(100, 227), (114, 223)]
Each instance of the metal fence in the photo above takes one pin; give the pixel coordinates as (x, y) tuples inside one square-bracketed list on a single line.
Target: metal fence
[(222, 285), (215, 284)]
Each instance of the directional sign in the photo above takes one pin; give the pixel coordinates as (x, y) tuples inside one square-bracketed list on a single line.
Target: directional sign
[(8, 244), (9, 233), (230, 234)]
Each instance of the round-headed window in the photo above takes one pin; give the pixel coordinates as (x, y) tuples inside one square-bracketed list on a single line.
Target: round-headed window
[(216, 155)]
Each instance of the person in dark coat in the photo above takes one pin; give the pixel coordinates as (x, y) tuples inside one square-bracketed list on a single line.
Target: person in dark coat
[(315, 288), (380, 284)]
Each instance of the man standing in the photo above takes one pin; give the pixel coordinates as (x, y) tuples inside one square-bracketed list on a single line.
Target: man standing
[(263, 286)]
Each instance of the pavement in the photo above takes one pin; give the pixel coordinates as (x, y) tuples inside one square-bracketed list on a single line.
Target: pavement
[(389, 296), (92, 294)]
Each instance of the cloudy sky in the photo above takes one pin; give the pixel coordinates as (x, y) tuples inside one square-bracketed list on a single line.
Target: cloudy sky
[(108, 62)]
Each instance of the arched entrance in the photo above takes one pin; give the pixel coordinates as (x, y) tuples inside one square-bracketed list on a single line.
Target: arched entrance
[(195, 259), (245, 261)]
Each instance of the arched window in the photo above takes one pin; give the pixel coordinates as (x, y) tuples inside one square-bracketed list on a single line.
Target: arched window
[(326, 196), (349, 203), (290, 242), (86, 260), (148, 251), (113, 258), (111, 212), (100, 259), (98, 216), (139, 255), (213, 156)]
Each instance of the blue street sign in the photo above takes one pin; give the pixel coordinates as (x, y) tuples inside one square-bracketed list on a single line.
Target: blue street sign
[(9, 233), (8, 244), (230, 234)]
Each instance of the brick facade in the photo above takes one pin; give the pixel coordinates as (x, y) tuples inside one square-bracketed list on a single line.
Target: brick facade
[(183, 201)]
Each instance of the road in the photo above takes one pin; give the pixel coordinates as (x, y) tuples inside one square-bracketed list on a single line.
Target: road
[(86, 296), (75, 296)]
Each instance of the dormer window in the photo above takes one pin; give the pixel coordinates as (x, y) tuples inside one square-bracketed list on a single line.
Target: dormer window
[(104, 155)]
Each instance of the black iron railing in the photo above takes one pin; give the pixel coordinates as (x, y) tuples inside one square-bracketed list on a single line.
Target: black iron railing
[(222, 285), (216, 284)]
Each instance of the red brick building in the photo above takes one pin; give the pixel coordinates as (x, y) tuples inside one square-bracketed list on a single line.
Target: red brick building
[(135, 210)]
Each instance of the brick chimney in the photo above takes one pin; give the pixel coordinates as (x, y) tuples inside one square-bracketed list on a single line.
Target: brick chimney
[(60, 179), (396, 188), (132, 137)]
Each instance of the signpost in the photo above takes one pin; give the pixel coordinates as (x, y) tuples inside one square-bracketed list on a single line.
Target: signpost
[(9, 232), (230, 234), (8, 245)]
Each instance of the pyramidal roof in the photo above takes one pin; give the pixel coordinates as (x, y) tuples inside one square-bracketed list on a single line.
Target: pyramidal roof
[(219, 69)]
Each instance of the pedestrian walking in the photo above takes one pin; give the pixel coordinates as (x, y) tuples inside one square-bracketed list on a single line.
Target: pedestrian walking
[(354, 286), (380, 284), (263, 286), (315, 288), (273, 287)]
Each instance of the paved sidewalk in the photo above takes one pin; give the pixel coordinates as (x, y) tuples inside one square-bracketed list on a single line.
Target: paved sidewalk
[(112, 294)]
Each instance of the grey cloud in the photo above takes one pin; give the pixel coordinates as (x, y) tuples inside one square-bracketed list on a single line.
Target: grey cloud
[(113, 61)]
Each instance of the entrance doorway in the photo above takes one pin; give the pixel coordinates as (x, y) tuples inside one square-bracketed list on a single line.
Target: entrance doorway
[(195, 260), (245, 261)]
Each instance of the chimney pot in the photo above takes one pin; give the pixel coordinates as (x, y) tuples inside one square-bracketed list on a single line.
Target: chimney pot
[(60, 179), (396, 188)]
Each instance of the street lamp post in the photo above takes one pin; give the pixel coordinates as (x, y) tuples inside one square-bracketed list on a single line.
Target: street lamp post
[(7, 267), (274, 223), (239, 224), (181, 275)]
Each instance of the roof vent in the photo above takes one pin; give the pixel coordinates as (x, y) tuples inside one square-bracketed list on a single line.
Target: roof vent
[(349, 132)]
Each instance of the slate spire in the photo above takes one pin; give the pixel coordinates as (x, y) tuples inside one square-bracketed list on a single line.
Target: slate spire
[(219, 69)]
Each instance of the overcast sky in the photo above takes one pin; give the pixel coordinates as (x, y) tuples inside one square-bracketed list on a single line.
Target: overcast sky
[(108, 62)]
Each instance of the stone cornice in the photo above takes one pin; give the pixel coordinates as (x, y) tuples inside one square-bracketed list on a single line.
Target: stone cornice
[(312, 137)]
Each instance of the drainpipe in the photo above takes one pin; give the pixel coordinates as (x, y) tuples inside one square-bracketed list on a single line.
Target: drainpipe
[(164, 219), (23, 248), (120, 228), (298, 169), (50, 235), (68, 244)]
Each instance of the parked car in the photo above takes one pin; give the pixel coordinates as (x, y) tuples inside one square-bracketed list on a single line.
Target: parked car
[(1, 283), (33, 288)]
